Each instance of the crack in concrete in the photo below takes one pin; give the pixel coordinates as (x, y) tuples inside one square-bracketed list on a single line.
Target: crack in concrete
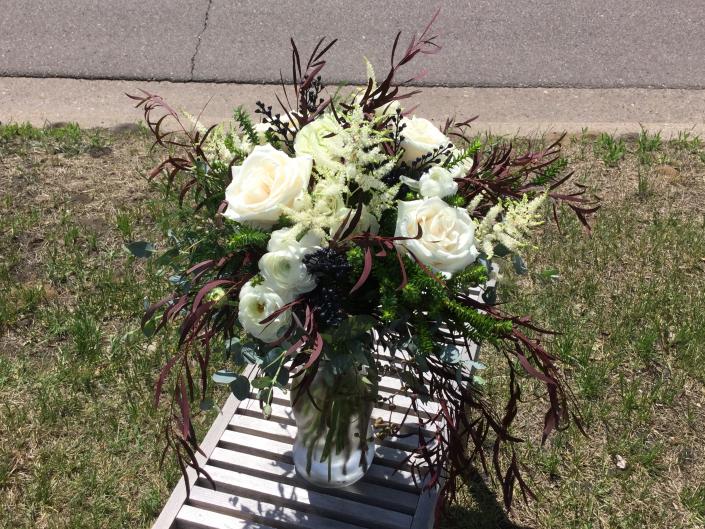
[(198, 39)]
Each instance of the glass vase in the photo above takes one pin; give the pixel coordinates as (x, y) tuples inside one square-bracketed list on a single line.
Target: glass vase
[(334, 443)]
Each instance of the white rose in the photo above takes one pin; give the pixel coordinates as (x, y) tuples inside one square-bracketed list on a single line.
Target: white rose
[(437, 182), (447, 242), (367, 223), (320, 139), (257, 303), (267, 182), (418, 137), (285, 272)]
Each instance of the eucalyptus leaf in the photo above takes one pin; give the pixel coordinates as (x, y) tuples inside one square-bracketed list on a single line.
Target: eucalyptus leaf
[(223, 376), (167, 257), (422, 363), (283, 376), (501, 251), (489, 296), (240, 387), (250, 352), (354, 326), (262, 382), (233, 351), (141, 249), (450, 354), (471, 364), (519, 265)]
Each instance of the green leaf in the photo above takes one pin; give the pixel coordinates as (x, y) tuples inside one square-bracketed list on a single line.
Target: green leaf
[(240, 387), (206, 404), (167, 257), (550, 273), (224, 376), (422, 363), (267, 411), (149, 328), (272, 357), (262, 382), (141, 248), (233, 351), (283, 376), (354, 327)]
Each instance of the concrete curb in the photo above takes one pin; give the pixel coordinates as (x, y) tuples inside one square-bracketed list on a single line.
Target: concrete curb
[(504, 111)]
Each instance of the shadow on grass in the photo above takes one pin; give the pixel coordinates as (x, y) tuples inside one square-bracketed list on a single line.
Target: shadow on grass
[(482, 511)]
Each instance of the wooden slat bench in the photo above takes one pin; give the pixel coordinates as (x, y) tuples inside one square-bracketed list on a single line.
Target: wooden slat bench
[(257, 487)]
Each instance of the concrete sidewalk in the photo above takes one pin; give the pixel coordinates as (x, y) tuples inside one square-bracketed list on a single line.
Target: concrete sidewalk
[(567, 43), (502, 110)]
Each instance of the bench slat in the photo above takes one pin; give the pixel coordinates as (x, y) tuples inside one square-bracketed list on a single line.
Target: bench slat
[(258, 510), (342, 509), (285, 472), (194, 518)]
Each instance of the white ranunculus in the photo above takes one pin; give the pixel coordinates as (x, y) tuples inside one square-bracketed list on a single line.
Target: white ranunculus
[(320, 139), (287, 239), (328, 198), (267, 182), (447, 242), (262, 128), (257, 303), (437, 182), (367, 223), (418, 137), (461, 169), (285, 272)]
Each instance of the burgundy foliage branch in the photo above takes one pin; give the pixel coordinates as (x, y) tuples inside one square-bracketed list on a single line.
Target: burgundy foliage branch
[(187, 143), (501, 174)]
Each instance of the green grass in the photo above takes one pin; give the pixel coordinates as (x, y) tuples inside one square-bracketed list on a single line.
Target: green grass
[(78, 432), (647, 145), (628, 303), (79, 444), (610, 149)]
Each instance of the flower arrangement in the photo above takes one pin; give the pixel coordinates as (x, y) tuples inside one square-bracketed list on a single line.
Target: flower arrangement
[(338, 227)]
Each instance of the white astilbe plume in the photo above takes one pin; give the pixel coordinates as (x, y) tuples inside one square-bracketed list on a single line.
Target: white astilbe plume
[(216, 144), (319, 208), (365, 165), (475, 202), (366, 162), (508, 224)]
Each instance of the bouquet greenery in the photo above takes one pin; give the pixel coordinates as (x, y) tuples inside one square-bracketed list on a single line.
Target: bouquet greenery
[(339, 227)]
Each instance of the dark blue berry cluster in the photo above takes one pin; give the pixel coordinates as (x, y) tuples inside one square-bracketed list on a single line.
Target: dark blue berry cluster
[(332, 270)]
